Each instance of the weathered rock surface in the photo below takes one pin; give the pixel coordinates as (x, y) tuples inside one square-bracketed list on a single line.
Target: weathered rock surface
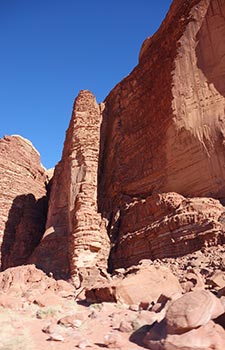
[(23, 200), (142, 285), (163, 130), (32, 283), (162, 134), (210, 336), (165, 225), (75, 242), (188, 324), (192, 310)]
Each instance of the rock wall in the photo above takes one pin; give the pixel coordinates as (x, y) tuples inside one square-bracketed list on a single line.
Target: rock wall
[(76, 242), (163, 131), (23, 200), (165, 225), (143, 173)]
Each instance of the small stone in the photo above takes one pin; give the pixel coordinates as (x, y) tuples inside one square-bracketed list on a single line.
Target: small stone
[(74, 321), (93, 315), (157, 307), (126, 327), (84, 344), (134, 307), (113, 341), (56, 337), (144, 306), (51, 328)]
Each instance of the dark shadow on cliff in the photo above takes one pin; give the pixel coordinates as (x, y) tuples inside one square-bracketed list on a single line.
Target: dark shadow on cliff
[(23, 230), (210, 51), (49, 255)]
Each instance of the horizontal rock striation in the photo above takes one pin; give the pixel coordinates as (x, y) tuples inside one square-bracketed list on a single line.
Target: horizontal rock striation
[(23, 200), (166, 225), (76, 242), (142, 175)]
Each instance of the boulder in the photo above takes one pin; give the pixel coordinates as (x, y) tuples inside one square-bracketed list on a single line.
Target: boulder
[(210, 336), (192, 310), (145, 285)]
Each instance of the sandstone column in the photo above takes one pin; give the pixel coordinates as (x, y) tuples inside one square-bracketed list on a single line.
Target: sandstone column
[(75, 242)]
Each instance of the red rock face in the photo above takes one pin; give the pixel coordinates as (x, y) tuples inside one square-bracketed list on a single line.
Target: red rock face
[(75, 242), (165, 225), (22, 200), (164, 124), (163, 131), (148, 170)]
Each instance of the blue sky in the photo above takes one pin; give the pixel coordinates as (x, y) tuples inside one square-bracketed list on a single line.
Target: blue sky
[(51, 49)]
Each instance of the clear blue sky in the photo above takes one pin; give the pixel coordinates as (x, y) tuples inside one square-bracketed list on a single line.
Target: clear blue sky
[(51, 49)]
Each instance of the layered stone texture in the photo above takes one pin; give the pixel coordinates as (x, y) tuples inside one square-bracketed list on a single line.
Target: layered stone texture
[(23, 200), (165, 225), (163, 131), (76, 242), (147, 180)]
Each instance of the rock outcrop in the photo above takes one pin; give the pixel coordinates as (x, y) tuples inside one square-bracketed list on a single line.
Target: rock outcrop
[(188, 324), (23, 200), (75, 242), (142, 175), (165, 225), (140, 285), (163, 131)]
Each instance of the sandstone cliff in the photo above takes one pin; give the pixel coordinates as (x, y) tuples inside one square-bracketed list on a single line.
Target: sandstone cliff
[(76, 242), (164, 124), (142, 175), (163, 128), (22, 200)]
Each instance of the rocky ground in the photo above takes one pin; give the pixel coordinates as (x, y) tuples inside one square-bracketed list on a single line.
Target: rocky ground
[(145, 306)]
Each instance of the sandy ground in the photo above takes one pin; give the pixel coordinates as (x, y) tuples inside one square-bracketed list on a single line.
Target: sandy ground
[(97, 326)]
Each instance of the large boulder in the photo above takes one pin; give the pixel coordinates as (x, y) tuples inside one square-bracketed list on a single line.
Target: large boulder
[(188, 325), (141, 286), (210, 336), (192, 310)]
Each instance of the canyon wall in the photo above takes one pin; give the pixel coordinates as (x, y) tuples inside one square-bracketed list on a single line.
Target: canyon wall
[(142, 174), (23, 200), (163, 128)]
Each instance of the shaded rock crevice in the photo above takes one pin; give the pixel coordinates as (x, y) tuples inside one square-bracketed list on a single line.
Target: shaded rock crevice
[(23, 200), (23, 230)]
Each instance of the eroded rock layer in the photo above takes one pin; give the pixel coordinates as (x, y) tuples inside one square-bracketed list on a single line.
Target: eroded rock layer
[(75, 241), (152, 170), (23, 200), (163, 131), (166, 225)]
